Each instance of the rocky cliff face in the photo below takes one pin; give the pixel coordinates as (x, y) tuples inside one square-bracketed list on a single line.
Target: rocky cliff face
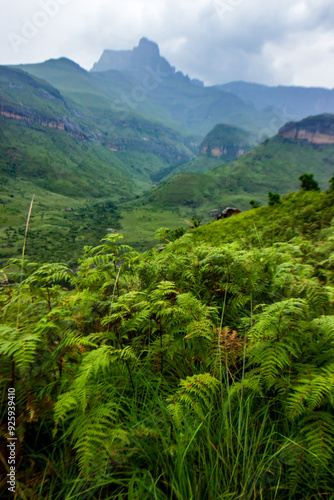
[(146, 55), (168, 150), (226, 141), (220, 151), (27, 116), (313, 130)]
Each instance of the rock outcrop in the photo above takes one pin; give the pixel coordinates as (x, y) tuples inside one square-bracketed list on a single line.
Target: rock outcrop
[(220, 151), (27, 116), (228, 212), (143, 63), (226, 141), (146, 55), (313, 130)]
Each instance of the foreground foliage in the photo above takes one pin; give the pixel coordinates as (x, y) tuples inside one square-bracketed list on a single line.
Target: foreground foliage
[(200, 371)]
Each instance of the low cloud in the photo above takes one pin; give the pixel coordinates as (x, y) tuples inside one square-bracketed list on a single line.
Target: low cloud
[(280, 42)]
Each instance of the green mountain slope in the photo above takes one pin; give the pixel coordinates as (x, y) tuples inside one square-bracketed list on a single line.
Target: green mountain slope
[(53, 148), (200, 164), (223, 144), (149, 87), (304, 214), (95, 97), (139, 148), (46, 143), (273, 166)]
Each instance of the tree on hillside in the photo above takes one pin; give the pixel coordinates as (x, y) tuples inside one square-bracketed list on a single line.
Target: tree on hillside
[(308, 183), (254, 204), (273, 198)]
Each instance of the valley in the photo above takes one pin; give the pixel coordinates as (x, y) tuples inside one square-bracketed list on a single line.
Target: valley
[(76, 139), (166, 309)]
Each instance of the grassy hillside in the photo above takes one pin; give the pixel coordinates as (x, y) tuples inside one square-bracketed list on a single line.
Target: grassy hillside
[(174, 101), (305, 214), (273, 166), (60, 163), (89, 105), (21, 91), (57, 149), (96, 91), (223, 144), (200, 164)]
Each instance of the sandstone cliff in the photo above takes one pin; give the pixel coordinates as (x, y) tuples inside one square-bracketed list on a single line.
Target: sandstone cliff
[(226, 141), (313, 130)]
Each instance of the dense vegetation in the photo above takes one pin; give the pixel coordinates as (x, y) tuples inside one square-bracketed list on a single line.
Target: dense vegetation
[(204, 370)]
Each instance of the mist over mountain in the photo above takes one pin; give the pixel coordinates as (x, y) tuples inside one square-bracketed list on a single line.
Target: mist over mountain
[(271, 107), (142, 82), (135, 62), (295, 102)]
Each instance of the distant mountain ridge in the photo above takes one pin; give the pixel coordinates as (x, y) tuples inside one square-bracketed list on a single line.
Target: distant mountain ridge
[(271, 107), (142, 82), (153, 92), (292, 102)]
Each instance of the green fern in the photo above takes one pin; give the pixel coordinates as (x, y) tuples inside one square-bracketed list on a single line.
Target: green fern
[(193, 395)]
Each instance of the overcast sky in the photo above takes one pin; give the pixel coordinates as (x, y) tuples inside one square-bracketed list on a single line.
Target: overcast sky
[(289, 42)]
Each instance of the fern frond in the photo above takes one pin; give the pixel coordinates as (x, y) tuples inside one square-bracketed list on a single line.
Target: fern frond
[(310, 392), (65, 404), (89, 435), (318, 430), (19, 344), (270, 323), (272, 358), (195, 395)]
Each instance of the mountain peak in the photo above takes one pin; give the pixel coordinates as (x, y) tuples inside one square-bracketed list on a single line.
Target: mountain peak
[(147, 46), (147, 53)]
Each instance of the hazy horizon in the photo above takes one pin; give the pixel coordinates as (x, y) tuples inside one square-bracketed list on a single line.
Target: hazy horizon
[(216, 41)]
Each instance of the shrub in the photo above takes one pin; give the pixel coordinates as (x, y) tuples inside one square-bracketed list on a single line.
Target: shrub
[(308, 183)]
